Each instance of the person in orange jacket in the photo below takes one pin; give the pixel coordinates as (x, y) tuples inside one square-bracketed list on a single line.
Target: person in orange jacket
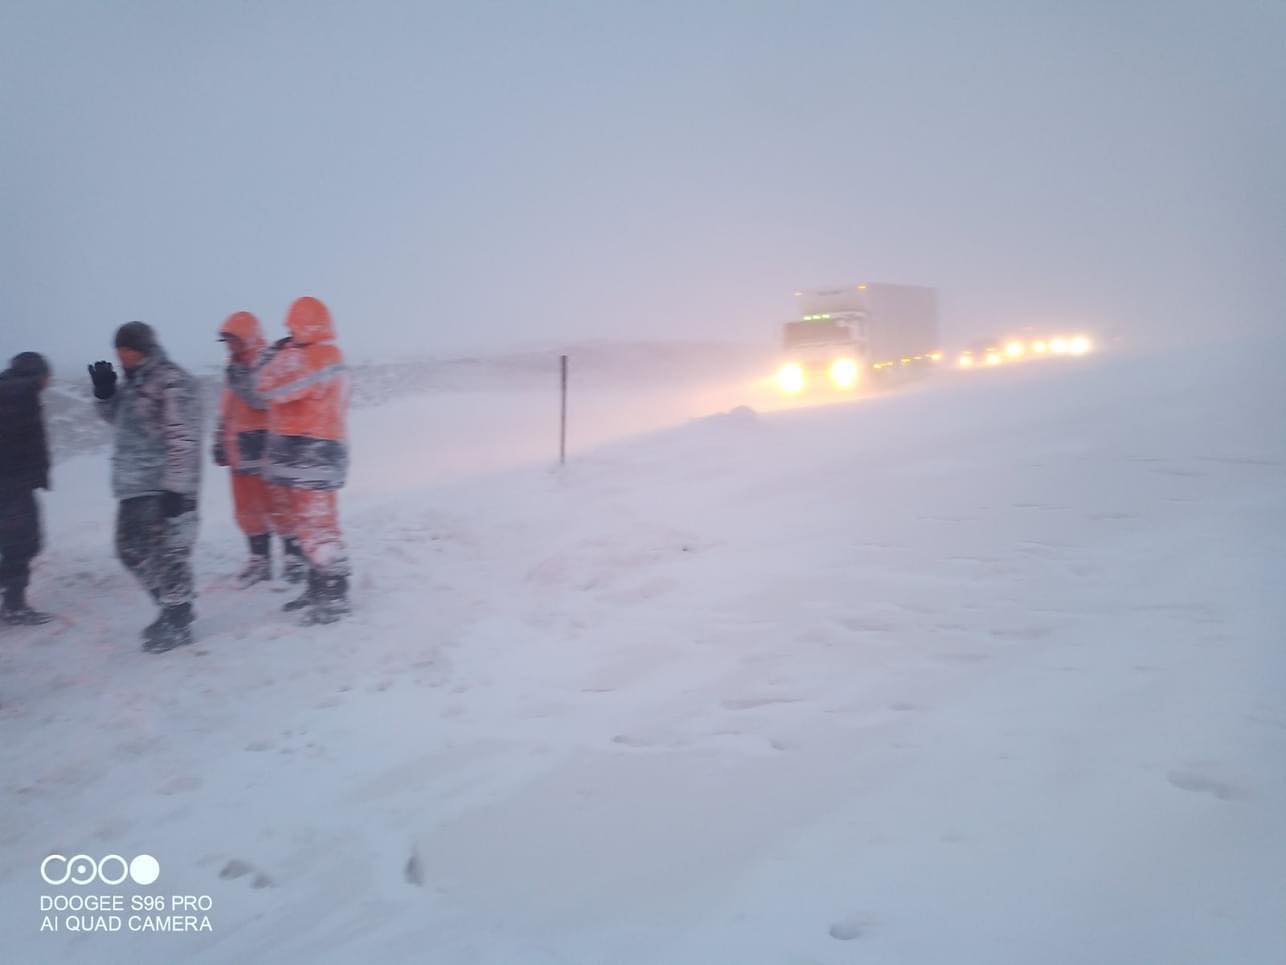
[(307, 389), (240, 440)]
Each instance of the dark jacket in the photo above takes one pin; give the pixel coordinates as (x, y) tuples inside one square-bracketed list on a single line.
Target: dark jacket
[(24, 450)]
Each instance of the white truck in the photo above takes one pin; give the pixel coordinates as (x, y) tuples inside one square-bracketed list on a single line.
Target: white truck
[(841, 336)]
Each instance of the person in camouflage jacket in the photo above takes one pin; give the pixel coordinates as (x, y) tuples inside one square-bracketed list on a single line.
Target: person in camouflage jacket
[(155, 413)]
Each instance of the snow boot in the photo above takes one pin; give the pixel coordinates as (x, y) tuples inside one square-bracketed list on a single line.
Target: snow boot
[(308, 597), (295, 567), (173, 628), (16, 613), (259, 567), (331, 603)]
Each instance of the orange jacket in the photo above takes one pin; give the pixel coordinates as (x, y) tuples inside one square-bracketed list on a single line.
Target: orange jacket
[(243, 416), (305, 383)]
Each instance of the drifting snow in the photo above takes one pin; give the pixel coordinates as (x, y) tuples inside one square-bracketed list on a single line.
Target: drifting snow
[(990, 671)]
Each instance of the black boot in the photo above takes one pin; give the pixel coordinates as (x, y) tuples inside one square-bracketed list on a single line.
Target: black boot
[(310, 594), (331, 603), (294, 567), (16, 613), (259, 568), (173, 628)]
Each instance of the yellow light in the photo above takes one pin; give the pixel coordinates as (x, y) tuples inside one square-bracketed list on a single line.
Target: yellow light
[(936, 356), (993, 358), (1040, 348), (1014, 350), (1058, 346), (966, 361), (1080, 345), (790, 378), (844, 373)]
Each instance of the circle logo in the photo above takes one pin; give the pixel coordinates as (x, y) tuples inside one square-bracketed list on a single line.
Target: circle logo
[(111, 869), (144, 869)]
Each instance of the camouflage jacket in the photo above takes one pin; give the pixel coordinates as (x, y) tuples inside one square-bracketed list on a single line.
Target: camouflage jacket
[(156, 415)]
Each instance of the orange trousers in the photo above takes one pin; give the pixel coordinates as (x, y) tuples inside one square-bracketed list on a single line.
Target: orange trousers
[(312, 517), (252, 504), (279, 510)]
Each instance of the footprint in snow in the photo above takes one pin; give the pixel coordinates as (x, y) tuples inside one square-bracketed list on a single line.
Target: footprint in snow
[(848, 929), (1203, 784), (236, 868), (179, 784), (644, 741), (750, 703)]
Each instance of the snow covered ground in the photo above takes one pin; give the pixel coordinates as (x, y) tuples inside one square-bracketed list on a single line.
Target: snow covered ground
[(986, 671)]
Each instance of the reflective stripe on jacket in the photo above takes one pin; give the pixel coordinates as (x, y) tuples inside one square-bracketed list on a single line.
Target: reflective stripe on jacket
[(307, 390)]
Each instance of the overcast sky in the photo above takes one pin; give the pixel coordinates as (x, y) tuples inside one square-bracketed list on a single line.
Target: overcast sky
[(452, 176)]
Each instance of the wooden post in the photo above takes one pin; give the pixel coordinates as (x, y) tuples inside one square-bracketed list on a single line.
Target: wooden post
[(562, 427)]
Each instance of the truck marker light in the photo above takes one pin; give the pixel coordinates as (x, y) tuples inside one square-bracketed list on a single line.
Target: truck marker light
[(1058, 346), (1040, 348), (1079, 345), (1015, 350)]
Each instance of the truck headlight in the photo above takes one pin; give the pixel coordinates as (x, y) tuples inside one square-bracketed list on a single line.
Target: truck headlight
[(844, 373), (790, 378)]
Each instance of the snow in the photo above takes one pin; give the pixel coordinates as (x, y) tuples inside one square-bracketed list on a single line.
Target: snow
[(989, 670)]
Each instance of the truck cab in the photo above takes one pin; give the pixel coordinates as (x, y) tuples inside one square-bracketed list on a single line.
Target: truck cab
[(841, 334), (821, 350)]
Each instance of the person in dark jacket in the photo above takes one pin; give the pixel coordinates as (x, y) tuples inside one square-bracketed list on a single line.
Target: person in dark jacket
[(156, 474), (24, 468)]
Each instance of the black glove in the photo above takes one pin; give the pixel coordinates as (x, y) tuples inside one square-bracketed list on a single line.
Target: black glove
[(104, 377), (220, 454), (176, 504)]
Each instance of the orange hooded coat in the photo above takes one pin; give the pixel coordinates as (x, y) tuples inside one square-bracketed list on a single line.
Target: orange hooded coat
[(241, 433), (306, 387)]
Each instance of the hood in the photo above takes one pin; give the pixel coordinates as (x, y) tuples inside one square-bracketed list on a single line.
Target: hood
[(245, 327), (15, 384), (30, 363), (309, 321)]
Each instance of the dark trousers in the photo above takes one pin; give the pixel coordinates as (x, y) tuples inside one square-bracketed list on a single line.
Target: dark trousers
[(19, 541), (157, 549)]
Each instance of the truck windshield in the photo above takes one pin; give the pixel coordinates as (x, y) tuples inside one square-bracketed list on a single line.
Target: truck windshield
[(816, 333)]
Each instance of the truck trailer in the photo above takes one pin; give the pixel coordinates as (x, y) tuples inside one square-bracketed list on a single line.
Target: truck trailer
[(842, 336)]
